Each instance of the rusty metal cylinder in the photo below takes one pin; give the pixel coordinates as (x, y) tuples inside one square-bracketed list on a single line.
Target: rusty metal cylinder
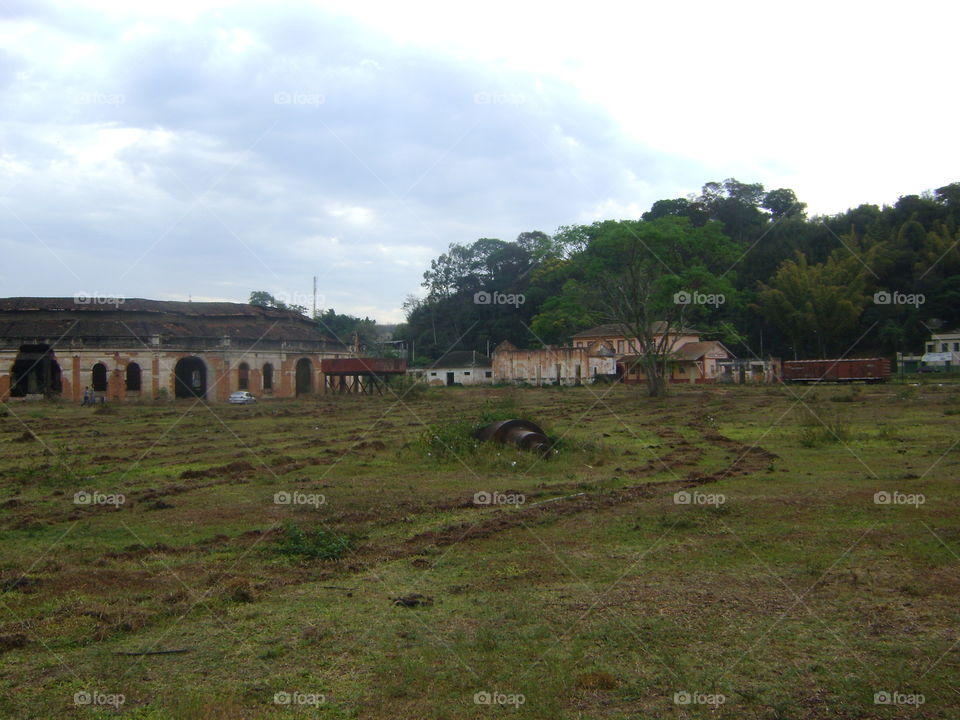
[(522, 433)]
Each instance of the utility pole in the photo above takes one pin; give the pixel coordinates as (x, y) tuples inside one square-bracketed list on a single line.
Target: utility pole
[(314, 297)]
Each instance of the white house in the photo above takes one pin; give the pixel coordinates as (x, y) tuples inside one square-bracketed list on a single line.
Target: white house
[(459, 367)]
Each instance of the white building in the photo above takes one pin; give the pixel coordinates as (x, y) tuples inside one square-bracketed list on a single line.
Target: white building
[(459, 367), (941, 353)]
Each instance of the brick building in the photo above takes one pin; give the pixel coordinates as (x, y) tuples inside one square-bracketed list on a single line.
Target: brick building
[(146, 349)]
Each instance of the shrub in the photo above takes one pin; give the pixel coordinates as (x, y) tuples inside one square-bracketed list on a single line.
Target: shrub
[(450, 439), (316, 543)]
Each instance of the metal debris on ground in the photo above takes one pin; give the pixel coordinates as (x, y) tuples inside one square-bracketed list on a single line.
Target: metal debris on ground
[(522, 433), (412, 600)]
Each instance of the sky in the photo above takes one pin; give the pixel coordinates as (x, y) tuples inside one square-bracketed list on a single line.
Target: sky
[(206, 149)]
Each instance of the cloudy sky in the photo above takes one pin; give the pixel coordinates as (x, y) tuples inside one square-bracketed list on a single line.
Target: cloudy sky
[(205, 149)]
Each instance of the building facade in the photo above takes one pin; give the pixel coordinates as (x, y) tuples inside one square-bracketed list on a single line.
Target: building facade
[(553, 365), (148, 349), (690, 360), (941, 354), (458, 367)]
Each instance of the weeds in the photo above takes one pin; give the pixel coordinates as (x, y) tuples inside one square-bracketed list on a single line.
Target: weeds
[(906, 393), (449, 440), (408, 388), (317, 543), (850, 396), (813, 430)]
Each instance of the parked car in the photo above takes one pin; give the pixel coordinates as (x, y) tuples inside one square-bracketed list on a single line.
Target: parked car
[(242, 397)]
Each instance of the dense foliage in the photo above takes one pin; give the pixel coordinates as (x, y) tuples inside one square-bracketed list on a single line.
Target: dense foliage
[(869, 280)]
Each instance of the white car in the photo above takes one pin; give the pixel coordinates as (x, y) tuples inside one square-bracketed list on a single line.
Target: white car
[(242, 397)]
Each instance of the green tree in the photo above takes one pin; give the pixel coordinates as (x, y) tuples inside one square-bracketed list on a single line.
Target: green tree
[(816, 306), (635, 275), (262, 298)]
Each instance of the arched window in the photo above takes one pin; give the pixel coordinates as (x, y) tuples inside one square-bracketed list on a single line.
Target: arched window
[(243, 377), (99, 378), (191, 378), (35, 371), (304, 376), (268, 376), (133, 377)]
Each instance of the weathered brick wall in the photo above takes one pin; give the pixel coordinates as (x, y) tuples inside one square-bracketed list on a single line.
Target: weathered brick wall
[(157, 372)]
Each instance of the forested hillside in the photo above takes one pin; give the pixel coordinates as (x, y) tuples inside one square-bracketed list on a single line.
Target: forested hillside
[(869, 280)]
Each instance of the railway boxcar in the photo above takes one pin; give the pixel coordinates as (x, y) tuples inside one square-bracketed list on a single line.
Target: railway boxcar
[(870, 370)]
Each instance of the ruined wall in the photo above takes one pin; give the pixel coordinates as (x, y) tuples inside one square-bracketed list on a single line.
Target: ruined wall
[(564, 366)]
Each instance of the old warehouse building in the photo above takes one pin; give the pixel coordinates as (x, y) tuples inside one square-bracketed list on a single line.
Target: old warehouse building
[(147, 349)]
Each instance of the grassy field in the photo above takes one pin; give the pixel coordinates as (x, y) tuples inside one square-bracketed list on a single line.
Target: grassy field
[(721, 553)]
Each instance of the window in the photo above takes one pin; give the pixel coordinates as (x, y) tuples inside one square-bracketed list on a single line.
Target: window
[(943, 347), (466, 372), (488, 373), (619, 346), (433, 374), (929, 347), (243, 377), (99, 377), (133, 377), (956, 347), (268, 377)]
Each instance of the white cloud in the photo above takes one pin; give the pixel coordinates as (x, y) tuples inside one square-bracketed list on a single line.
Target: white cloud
[(143, 143)]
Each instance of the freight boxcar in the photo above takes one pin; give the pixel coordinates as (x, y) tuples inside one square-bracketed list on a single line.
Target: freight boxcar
[(870, 370)]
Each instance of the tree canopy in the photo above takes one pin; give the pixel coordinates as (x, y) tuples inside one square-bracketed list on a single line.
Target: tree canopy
[(793, 285)]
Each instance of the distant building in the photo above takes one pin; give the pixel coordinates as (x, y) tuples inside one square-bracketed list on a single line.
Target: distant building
[(134, 349), (554, 365), (941, 354), (691, 359), (691, 362), (458, 367), (749, 371)]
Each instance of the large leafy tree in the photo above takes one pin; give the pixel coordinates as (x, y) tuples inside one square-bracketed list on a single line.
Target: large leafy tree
[(630, 274)]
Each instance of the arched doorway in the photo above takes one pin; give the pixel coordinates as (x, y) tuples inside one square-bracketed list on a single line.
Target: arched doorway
[(99, 378), (304, 385), (243, 376), (268, 376), (35, 372), (190, 375), (133, 377)]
